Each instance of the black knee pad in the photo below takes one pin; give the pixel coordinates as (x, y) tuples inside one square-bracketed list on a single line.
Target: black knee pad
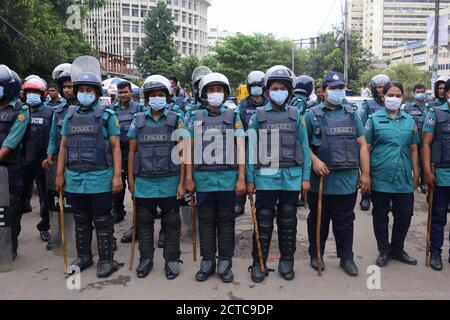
[(81, 219), (287, 216), (103, 222), (144, 216), (206, 215), (225, 215), (171, 219)]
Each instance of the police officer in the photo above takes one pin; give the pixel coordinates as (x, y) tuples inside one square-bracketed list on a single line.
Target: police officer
[(219, 174), (370, 107), (55, 100), (247, 108), (278, 183), (319, 96), (90, 161), (125, 109), (435, 150), (439, 92), (155, 179), (392, 136), (179, 96), (14, 119), (303, 90), (197, 76), (339, 152), (418, 109), (35, 149)]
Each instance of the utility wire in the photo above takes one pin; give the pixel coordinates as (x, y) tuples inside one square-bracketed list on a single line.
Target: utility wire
[(328, 16)]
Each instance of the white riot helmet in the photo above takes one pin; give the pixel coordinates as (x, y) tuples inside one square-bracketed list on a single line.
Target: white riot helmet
[(214, 79), (157, 82), (198, 74), (255, 78), (280, 74)]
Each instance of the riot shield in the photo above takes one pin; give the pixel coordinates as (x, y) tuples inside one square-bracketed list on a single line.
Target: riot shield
[(5, 223)]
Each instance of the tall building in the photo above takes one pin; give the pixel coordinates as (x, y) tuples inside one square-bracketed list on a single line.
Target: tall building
[(215, 36), (356, 16), (388, 24), (118, 28)]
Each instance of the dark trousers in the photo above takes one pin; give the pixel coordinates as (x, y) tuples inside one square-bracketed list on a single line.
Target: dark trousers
[(402, 210), (270, 199), (147, 212), (441, 201), (340, 210), (33, 173), (15, 193), (118, 198), (90, 205)]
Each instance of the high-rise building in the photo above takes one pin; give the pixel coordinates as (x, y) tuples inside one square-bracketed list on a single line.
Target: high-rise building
[(215, 36), (356, 16), (118, 27), (388, 24)]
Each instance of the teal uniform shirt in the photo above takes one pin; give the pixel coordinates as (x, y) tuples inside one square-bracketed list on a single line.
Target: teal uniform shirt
[(155, 188), (300, 101), (285, 179), (53, 141), (207, 181), (339, 182), (390, 160), (98, 181), (442, 174), (19, 127)]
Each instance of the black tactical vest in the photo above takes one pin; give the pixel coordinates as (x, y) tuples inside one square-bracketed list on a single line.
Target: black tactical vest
[(248, 109), (86, 145), (290, 153), (60, 114), (417, 113), (339, 148), (225, 157), (8, 116), (36, 142), (155, 146), (373, 107), (440, 148), (125, 117)]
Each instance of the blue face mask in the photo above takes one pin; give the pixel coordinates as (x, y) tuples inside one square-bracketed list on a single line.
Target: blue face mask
[(86, 99), (2, 92), (279, 97), (33, 99), (256, 91), (421, 96), (336, 97), (157, 103)]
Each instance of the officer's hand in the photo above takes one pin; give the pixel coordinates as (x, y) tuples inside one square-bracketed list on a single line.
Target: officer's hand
[(60, 183), (46, 164), (250, 189), (430, 180), (306, 185), (364, 184), (416, 182), (190, 185), (181, 191), (240, 187), (117, 185), (131, 185), (320, 168)]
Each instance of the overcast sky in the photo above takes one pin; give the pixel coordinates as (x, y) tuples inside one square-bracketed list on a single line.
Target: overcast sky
[(292, 19)]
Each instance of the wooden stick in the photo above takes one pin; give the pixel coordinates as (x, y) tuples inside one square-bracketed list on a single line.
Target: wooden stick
[(430, 216), (133, 237), (318, 228), (63, 230), (257, 237), (194, 227)]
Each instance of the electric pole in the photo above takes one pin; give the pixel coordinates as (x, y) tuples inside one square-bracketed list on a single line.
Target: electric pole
[(435, 66), (346, 65)]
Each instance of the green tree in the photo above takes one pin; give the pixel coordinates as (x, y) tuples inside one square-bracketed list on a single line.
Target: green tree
[(157, 54), (186, 67), (35, 38), (408, 75)]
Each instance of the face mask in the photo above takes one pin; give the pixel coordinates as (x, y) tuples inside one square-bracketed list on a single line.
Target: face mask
[(86, 99), (256, 91), (157, 103), (279, 97), (392, 103), (421, 96), (33, 99), (216, 99), (336, 97), (2, 92)]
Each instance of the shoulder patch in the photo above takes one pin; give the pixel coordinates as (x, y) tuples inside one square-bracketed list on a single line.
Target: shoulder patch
[(238, 124), (117, 123), (303, 121), (21, 117), (431, 121), (368, 125)]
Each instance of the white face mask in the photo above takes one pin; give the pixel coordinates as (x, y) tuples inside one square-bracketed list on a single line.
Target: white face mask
[(393, 103), (216, 99)]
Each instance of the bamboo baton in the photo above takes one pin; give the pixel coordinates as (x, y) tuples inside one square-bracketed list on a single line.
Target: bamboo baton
[(133, 235), (257, 237), (318, 228), (430, 215), (194, 227)]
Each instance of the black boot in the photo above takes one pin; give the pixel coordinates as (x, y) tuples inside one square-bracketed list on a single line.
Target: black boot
[(315, 264), (349, 267), (128, 236), (207, 269), (104, 227), (15, 218), (287, 240), (145, 229), (83, 235), (224, 270), (171, 224), (265, 225), (239, 209), (436, 262), (161, 238), (207, 231)]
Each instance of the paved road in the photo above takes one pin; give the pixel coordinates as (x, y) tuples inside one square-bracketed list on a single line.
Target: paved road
[(38, 274)]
